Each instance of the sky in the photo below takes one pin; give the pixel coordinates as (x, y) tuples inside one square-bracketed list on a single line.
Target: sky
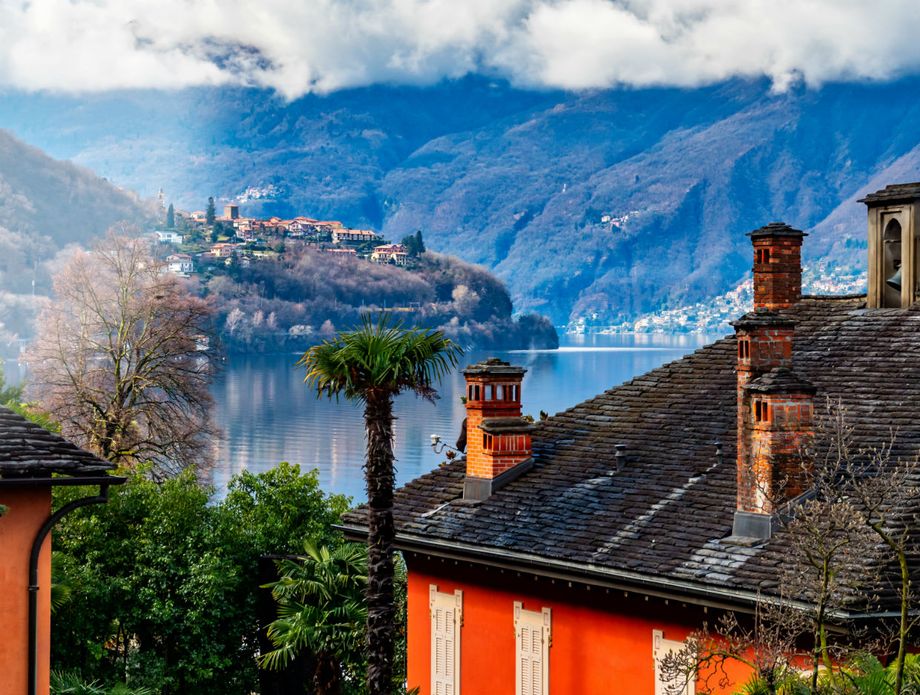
[(300, 46)]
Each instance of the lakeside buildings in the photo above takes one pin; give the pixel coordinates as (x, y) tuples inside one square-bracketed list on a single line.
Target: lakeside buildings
[(251, 237), (572, 555)]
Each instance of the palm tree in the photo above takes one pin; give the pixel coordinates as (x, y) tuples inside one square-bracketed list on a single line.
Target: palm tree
[(320, 609), (371, 365)]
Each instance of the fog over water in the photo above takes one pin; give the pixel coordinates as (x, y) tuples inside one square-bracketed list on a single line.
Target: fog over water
[(267, 414)]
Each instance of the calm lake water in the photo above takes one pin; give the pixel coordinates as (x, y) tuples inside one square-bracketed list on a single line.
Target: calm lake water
[(267, 414)]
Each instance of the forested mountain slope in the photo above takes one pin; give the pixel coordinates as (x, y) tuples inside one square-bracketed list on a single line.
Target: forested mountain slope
[(604, 204)]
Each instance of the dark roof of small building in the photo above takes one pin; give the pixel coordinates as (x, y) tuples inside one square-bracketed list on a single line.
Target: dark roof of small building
[(777, 229), (781, 380), (666, 517), (506, 425), (30, 451), (895, 193), (763, 318), (494, 366)]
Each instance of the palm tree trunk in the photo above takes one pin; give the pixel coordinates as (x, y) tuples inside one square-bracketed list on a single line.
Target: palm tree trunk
[(381, 613)]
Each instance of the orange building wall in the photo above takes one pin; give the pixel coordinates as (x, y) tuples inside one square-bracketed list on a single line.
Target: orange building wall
[(601, 641), (27, 511)]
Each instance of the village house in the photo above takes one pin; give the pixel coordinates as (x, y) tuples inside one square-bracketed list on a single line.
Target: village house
[(304, 226), (390, 253), (573, 554), (180, 264), (342, 252), (224, 249), (32, 461), (351, 236), (167, 237)]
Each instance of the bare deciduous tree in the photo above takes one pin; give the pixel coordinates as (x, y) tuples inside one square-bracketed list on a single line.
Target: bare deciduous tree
[(117, 359), (886, 490), (848, 542)]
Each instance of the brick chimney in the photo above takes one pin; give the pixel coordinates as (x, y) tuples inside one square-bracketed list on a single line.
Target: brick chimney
[(777, 266), (498, 447), (775, 407), (782, 422)]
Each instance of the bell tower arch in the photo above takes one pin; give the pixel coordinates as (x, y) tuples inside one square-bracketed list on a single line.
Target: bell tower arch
[(894, 252)]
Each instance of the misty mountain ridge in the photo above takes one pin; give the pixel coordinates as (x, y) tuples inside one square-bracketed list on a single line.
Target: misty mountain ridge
[(599, 205), (46, 205)]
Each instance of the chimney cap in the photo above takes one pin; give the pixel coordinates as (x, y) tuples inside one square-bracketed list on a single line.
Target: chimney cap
[(506, 425), (494, 366), (893, 193), (777, 229), (781, 380), (763, 318)]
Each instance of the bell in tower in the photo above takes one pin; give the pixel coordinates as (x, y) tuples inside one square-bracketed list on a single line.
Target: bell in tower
[(894, 254)]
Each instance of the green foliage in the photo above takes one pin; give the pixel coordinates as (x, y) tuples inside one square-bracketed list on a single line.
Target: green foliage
[(380, 356), (321, 609), (414, 244), (8, 393), (278, 509), (210, 213), (165, 583), (71, 683), (170, 217), (863, 675), (11, 397)]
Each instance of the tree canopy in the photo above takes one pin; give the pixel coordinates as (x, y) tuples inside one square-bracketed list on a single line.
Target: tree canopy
[(165, 582), (117, 359)]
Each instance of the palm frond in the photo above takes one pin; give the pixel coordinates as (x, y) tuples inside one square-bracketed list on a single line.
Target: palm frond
[(382, 356)]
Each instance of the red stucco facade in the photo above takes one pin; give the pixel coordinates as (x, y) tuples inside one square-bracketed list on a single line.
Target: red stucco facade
[(602, 640), (28, 508)]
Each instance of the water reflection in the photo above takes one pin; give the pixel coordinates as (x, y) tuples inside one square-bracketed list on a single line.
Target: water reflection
[(268, 415)]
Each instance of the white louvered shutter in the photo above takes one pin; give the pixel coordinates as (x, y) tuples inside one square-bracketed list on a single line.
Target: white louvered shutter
[(661, 647), (446, 617), (532, 632)]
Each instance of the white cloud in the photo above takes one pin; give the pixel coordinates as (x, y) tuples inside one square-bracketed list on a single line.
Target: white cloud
[(299, 46)]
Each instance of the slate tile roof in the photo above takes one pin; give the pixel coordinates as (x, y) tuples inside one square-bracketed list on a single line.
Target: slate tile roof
[(27, 450), (668, 513)]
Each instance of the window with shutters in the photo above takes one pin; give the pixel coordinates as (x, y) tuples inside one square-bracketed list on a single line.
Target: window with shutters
[(661, 647), (446, 618), (532, 633)]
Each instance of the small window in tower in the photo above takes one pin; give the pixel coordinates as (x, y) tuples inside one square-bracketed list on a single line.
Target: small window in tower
[(499, 393), (761, 411), (478, 391), (744, 348)]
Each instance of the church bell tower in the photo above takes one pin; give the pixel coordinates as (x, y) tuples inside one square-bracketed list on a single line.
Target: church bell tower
[(894, 254)]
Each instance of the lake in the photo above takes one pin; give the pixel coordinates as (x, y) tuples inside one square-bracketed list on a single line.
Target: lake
[(268, 415)]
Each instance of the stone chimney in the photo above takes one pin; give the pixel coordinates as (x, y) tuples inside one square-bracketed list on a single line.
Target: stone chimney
[(498, 447), (775, 407)]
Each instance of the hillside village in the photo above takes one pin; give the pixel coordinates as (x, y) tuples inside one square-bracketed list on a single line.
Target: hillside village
[(285, 284), (202, 239)]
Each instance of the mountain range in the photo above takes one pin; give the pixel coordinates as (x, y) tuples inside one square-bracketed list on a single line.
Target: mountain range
[(597, 205)]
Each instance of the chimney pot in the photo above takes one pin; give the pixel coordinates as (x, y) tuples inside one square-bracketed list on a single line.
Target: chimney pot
[(620, 456)]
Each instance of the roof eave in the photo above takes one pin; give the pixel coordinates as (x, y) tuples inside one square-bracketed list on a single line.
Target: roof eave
[(719, 597)]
